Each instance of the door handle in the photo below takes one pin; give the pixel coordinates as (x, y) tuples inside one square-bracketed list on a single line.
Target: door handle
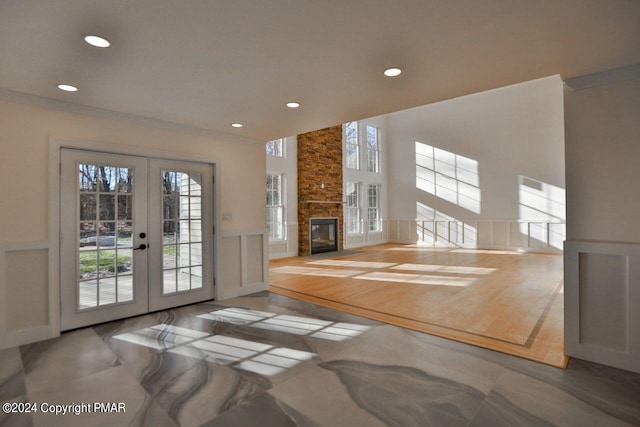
[(142, 247)]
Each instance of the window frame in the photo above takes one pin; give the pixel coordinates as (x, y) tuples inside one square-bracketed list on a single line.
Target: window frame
[(375, 152), (281, 206), (280, 151), (351, 145), (375, 225), (349, 209)]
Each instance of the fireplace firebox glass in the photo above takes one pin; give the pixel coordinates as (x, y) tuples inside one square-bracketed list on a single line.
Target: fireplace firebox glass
[(324, 235)]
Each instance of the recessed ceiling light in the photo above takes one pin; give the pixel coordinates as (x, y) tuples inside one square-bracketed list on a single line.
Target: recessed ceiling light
[(392, 72), (67, 88), (236, 125), (293, 104), (97, 41)]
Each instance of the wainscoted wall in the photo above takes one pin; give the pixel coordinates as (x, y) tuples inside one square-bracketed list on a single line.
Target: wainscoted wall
[(29, 300), (602, 320), (245, 263), (26, 313), (285, 248), (319, 181), (538, 236), (367, 238)]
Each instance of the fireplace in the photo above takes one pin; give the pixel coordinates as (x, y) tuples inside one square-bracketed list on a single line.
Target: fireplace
[(324, 235)]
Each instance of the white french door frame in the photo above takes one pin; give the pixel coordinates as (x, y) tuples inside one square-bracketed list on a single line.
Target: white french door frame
[(70, 297), (158, 300), (55, 147)]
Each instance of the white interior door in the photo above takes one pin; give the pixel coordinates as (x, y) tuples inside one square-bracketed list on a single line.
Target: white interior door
[(136, 236)]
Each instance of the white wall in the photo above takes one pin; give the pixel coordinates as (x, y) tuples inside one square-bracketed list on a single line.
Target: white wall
[(603, 163), (25, 131), (288, 166), (507, 144), (365, 179), (602, 261)]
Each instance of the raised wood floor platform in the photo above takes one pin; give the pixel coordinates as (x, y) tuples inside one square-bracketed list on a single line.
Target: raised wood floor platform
[(502, 300)]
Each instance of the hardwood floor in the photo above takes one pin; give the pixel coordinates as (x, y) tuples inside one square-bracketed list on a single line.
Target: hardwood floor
[(502, 300)]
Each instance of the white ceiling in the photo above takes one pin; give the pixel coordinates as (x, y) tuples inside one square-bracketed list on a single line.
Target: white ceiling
[(209, 63)]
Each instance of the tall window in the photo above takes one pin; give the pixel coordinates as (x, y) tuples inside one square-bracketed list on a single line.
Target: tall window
[(275, 148), (352, 208), (352, 146), (373, 211), (373, 150), (275, 207)]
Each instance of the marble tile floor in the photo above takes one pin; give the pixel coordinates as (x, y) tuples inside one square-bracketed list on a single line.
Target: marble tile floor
[(268, 360)]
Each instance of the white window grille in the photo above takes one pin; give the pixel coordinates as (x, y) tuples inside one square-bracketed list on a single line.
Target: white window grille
[(352, 209), (373, 149), (352, 146), (373, 210), (275, 148), (275, 206)]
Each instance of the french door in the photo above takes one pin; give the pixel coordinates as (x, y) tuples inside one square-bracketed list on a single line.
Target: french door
[(136, 236)]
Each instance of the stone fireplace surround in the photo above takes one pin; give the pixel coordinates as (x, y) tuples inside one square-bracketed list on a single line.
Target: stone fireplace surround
[(319, 182)]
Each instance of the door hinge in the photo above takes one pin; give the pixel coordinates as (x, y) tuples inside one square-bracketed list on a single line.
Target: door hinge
[(60, 168), (214, 230)]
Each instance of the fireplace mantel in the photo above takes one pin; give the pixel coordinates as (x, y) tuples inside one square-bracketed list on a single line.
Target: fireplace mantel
[(330, 202)]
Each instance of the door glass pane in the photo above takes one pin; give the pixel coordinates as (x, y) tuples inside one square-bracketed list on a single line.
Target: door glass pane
[(183, 207), (106, 263), (124, 261), (195, 231), (182, 239), (105, 254), (88, 207), (125, 207), (108, 179), (88, 177), (195, 207), (169, 282), (169, 232), (184, 279), (88, 294), (170, 207), (183, 255), (195, 184), (88, 264), (169, 256), (125, 180), (106, 234), (182, 183), (125, 234), (87, 234), (183, 232), (107, 291), (125, 288), (168, 182), (195, 254), (107, 207), (196, 277)]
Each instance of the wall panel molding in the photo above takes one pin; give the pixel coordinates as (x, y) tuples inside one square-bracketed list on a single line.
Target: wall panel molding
[(602, 296), (28, 261), (285, 248), (502, 234), (243, 249), (366, 238)]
